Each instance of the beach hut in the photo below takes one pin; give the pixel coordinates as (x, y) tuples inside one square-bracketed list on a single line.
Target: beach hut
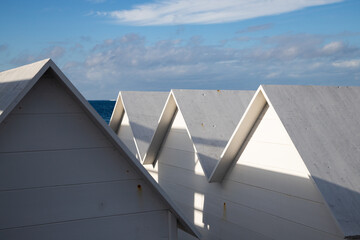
[(64, 174), (296, 152), (193, 130), (135, 118)]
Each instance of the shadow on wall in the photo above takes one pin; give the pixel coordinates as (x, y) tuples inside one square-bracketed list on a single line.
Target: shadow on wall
[(251, 202), (143, 133), (210, 142)]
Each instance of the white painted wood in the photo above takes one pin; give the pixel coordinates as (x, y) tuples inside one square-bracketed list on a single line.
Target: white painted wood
[(165, 120), (71, 202), (248, 217), (152, 170), (178, 147), (176, 140), (126, 135), (137, 226), (284, 160), (255, 206), (58, 99), (323, 122), (184, 235), (117, 114), (44, 119), (51, 168), (172, 227), (36, 132), (173, 157), (35, 142), (143, 109), (238, 137), (16, 82), (272, 180), (211, 117), (214, 224), (273, 203)]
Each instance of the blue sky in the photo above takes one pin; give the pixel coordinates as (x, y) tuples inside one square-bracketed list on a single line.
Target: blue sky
[(104, 46)]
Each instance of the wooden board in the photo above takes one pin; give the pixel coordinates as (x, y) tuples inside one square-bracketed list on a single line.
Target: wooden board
[(36, 132), (148, 225), (292, 207), (52, 168), (323, 122), (73, 202)]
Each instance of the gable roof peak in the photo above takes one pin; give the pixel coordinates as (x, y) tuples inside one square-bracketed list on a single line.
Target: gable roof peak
[(16, 83), (210, 117)]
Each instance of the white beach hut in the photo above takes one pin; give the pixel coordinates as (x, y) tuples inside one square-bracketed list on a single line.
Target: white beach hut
[(64, 174), (193, 130), (135, 118), (296, 151)]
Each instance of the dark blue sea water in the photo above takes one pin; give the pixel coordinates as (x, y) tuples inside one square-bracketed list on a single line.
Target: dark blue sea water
[(104, 108)]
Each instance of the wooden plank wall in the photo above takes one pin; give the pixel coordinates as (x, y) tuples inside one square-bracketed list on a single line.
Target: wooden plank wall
[(60, 177), (126, 135), (266, 195)]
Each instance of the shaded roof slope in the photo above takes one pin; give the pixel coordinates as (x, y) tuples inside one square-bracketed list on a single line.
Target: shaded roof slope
[(143, 110), (211, 117), (16, 83), (324, 125)]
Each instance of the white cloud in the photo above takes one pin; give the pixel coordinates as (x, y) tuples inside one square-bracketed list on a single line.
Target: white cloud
[(333, 47), (355, 63), (273, 75), (53, 52), (173, 12), (131, 63)]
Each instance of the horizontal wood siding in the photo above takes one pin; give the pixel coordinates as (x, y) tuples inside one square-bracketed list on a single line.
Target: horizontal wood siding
[(36, 132), (260, 204), (61, 177), (51, 168), (130, 227), (50, 97), (65, 203)]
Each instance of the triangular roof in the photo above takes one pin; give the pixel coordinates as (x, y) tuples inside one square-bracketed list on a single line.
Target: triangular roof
[(16, 83), (324, 124), (210, 117), (143, 110)]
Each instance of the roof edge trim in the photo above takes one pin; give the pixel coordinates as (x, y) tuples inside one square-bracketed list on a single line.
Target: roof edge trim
[(239, 136), (32, 81), (164, 124), (117, 114)]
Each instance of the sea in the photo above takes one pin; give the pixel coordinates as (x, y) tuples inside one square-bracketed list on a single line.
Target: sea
[(104, 108)]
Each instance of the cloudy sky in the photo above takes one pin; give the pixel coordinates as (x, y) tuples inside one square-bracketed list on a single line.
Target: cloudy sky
[(104, 46)]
